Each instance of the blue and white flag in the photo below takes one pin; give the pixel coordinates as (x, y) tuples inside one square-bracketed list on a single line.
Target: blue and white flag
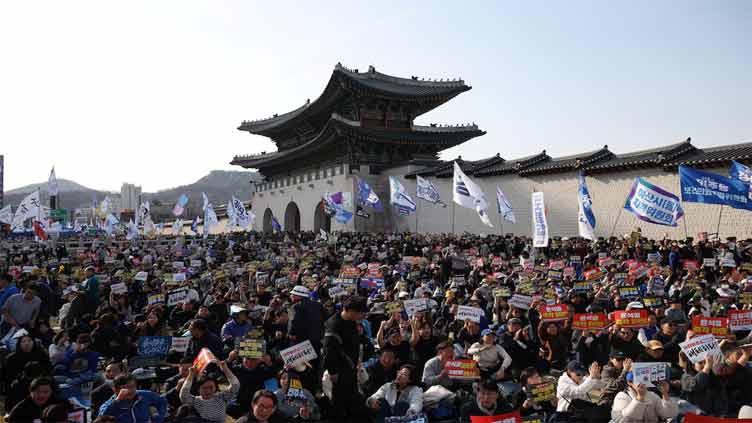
[(210, 217), (194, 225), (540, 224), (467, 194), (110, 223), (653, 204), (742, 173), (367, 196), (52, 183), (399, 197), (333, 207), (586, 217), (6, 214), (177, 227), (426, 190), (698, 186), (275, 225), (241, 215), (132, 231), (180, 205), (505, 209)]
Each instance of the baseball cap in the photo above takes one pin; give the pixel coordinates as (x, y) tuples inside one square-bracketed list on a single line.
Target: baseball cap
[(515, 320), (300, 291), (485, 332), (576, 367), (617, 354)]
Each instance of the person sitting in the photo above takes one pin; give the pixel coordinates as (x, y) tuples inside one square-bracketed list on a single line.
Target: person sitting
[(129, 405), (80, 364), (294, 402), (576, 384), (434, 372), (41, 395), (379, 373), (488, 402), (201, 337), (526, 404), (636, 404), (399, 398), (491, 357), (263, 409), (211, 403)]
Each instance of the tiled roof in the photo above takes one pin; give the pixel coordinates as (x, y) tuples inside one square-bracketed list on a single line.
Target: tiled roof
[(575, 161), (644, 158), (510, 166), (714, 155), (403, 86), (446, 168)]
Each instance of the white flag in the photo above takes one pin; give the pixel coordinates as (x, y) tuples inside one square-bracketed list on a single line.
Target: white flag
[(585, 217), (177, 227), (426, 190), (323, 234), (6, 215), (132, 231), (467, 194), (505, 209), (52, 183), (28, 208), (242, 218), (232, 221), (540, 226), (210, 217), (400, 198)]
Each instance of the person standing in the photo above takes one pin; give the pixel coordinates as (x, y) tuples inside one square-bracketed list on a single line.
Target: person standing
[(341, 350), (307, 320), (91, 289)]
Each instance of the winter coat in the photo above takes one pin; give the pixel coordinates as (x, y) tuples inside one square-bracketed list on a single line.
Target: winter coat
[(653, 409), (567, 390)]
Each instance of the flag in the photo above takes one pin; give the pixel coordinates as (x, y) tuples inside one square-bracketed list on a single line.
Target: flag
[(28, 209), (144, 210), (653, 204), (399, 197), (6, 215), (39, 230), (323, 234), (426, 190), (52, 183), (467, 194), (586, 217), (110, 223), (242, 217), (742, 173), (231, 222), (132, 231), (333, 207), (367, 196), (180, 205), (177, 227), (698, 186), (275, 225), (194, 225), (540, 225), (104, 207), (210, 217), (505, 209)]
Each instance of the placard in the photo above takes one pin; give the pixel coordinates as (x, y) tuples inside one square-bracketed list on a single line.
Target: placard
[(393, 307), (178, 264), (196, 263), (180, 343), (555, 275), (740, 320), (694, 418), (372, 283), (141, 276), (502, 292), (415, 306), (119, 288), (554, 313), (298, 354), (154, 346), (629, 292), (716, 326), (728, 262), (708, 262), (462, 369), (459, 280), (204, 357), (349, 272), (647, 373), (556, 264), (156, 299), (541, 392), (590, 321), (178, 277), (177, 296), (653, 302), (252, 348), (469, 313), (513, 417), (521, 301), (348, 284), (583, 286), (697, 348), (690, 265), (337, 291), (631, 318), (594, 274)]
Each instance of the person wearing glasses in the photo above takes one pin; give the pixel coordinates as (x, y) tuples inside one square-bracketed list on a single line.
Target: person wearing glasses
[(488, 402), (263, 409)]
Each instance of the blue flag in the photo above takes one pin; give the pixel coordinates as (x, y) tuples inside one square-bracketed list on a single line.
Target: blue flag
[(194, 225), (367, 196), (586, 217), (275, 225), (400, 198), (653, 204), (740, 172), (698, 186)]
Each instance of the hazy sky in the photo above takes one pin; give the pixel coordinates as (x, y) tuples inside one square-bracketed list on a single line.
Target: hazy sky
[(151, 92)]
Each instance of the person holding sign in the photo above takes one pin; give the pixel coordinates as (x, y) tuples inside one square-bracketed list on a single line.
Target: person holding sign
[(637, 404), (293, 400), (491, 357), (488, 402), (211, 403)]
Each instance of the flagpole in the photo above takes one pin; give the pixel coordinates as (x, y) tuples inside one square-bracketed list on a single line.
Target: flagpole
[(718, 228), (417, 210), (453, 205), (618, 216), (686, 234)]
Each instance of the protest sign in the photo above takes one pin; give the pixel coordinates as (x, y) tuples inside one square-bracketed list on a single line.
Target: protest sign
[(728, 262), (708, 262), (698, 347), (177, 296), (740, 320), (204, 357), (583, 286), (154, 346), (156, 299), (605, 262), (337, 291), (282, 282), (415, 306), (348, 284), (556, 264), (654, 257), (594, 274), (418, 418), (298, 354), (554, 313), (590, 321), (372, 283), (462, 369), (141, 276), (178, 277), (393, 307), (541, 392), (653, 302), (630, 319), (459, 280), (119, 288), (180, 343), (690, 265), (716, 326), (349, 272), (555, 274), (521, 301), (629, 292), (252, 348), (502, 292), (647, 373), (694, 418), (469, 313), (196, 263), (513, 417)]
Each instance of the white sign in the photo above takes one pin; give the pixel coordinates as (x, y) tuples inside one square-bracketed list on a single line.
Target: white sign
[(521, 301), (337, 291), (728, 262), (178, 265), (298, 354), (179, 343), (540, 226), (469, 313), (647, 373), (118, 288), (177, 297), (178, 277), (740, 320), (29, 269), (700, 347), (141, 276), (414, 306), (708, 262), (196, 263)]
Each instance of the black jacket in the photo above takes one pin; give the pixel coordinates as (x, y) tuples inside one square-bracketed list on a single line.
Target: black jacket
[(27, 411), (307, 322), (341, 345), (471, 408), (210, 341)]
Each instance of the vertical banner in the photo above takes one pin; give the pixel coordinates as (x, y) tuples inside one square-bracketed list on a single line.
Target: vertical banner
[(540, 226)]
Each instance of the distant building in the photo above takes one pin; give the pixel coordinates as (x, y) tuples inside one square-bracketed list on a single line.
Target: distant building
[(116, 204), (130, 197)]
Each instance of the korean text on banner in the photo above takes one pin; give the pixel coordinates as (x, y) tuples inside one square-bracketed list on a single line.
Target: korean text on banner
[(513, 417), (653, 204), (521, 301), (298, 354), (631, 318), (716, 326), (740, 320), (415, 306), (698, 347), (204, 357), (694, 418), (554, 313), (540, 225), (698, 186), (462, 369), (647, 373), (469, 313), (590, 321)]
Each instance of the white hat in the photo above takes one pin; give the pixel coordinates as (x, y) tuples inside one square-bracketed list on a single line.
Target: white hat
[(745, 412), (634, 304), (300, 291)]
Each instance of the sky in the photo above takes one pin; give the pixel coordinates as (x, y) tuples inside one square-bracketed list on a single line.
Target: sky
[(151, 92)]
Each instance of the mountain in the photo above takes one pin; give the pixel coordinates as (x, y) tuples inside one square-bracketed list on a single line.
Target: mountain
[(219, 186)]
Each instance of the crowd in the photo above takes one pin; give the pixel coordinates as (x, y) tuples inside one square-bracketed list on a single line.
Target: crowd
[(253, 327)]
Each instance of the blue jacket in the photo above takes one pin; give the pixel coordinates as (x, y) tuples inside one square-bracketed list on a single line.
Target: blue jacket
[(232, 329), (7, 292), (136, 411)]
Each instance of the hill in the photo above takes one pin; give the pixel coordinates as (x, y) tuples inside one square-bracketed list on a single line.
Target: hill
[(63, 185)]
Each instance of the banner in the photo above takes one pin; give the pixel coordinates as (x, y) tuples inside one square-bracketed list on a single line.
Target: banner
[(698, 347), (630, 319), (154, 346), (513, 417), (653, 204), (716, 326), (698, 186), (399, 196), (554, 313), (541, 392), (647, 373), (204, 357), (586, 217), (180, 205), (252, 348), (520, 301), (540, 226), (6, 214), (426, 190), (503, 206), (180, 343), (298, 354), (415, 306), (740, 320), (590, 321), (469, 313), (367, 196), (462, 369), (694, 418), (29, 208)]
